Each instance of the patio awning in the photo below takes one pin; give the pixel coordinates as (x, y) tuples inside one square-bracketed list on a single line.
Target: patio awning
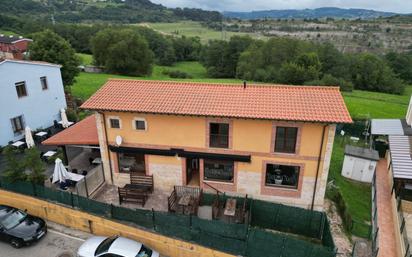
[(400, 149), (180, 153), (83, 132), (387, 127)]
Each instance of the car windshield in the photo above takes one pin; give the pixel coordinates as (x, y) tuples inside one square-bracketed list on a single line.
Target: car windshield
[(13, 219), (105, 245), (144, 252)]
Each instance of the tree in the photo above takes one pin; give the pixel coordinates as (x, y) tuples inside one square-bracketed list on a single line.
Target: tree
[(49, 47), (15, 170), (292, 73), (221, 57), (329, 80), (401, 64), (123, 52), (35, 166), (370, 72)]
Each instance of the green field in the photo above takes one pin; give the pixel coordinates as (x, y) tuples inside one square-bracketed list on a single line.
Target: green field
[(87, 83), (364, 104), (194, 29)]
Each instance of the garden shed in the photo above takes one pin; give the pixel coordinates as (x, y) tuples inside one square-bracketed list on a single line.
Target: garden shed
[(359, 163)]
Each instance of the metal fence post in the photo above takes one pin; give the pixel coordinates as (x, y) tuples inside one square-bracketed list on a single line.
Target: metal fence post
[(71, 199), (153, 219), (111, 210)]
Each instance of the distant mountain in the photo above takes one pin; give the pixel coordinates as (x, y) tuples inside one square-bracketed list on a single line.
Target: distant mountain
[(116, 11), (324, 12)]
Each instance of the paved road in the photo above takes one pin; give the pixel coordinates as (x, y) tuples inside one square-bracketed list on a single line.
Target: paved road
[(54, 244)]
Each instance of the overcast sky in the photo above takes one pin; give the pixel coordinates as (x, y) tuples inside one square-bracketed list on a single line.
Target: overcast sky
[(400, 6)]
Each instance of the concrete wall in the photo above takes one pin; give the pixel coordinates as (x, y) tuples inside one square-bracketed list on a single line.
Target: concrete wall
[(99, 226), (39, 108), (247, 137)]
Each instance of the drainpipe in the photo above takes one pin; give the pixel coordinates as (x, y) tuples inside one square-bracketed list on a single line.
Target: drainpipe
[(107, 145), (318, 167)]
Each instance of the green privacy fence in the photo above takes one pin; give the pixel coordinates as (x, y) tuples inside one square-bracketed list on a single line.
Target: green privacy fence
[(257, 238)]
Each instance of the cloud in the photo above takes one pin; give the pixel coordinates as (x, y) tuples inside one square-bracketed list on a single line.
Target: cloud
[(401, 6)]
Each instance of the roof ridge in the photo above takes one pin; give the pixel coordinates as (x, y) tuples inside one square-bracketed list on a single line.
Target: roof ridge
[(250, 84)]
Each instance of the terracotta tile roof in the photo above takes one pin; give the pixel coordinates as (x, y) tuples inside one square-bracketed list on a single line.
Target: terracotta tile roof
[(83, 132), (259, 101)]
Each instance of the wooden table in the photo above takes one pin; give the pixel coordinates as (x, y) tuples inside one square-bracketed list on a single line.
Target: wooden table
[(18, 143), (49, 154), (230, 207), (41, 134)]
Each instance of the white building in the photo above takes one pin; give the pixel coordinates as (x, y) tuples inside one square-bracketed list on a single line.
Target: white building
[(359, 163), (31, 94)]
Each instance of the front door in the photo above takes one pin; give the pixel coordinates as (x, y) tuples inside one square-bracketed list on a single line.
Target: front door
[(192, 172)]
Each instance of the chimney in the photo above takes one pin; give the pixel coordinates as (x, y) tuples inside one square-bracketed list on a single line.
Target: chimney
[(244, 84), (409, 113)]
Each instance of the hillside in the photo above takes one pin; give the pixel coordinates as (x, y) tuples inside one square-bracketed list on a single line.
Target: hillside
[(348, 35), (310, 14), (116, 11)]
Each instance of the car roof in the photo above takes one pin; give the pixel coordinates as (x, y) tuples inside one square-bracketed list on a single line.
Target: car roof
[(125, 247)]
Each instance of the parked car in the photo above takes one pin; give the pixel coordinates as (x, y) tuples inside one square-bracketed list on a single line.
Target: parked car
[(114, 246), (19, 228)]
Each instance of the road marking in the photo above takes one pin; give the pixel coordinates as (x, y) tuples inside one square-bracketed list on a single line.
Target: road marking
[(65, 235)]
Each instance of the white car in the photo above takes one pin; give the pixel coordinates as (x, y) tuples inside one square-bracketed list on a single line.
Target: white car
[(115, 246)]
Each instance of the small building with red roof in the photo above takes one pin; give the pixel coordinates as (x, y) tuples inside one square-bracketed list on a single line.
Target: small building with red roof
[(271, 142), (13, 47)]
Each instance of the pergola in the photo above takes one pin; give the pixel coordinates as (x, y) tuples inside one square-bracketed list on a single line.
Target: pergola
[(82, 134)]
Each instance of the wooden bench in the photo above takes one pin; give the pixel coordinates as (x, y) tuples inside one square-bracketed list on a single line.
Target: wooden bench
[(142, 180), (132, 195)]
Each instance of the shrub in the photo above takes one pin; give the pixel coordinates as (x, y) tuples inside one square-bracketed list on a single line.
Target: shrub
[(14, 170), (335, 195), (71, 115)]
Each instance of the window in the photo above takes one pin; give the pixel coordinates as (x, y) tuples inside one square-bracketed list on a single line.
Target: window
[(114, 123), (140, 124), (219, 135), (21, 89), (17, 124), (131, 162), (285, 141), (218, 170), (282, 176), (105, 245), (43, 81)]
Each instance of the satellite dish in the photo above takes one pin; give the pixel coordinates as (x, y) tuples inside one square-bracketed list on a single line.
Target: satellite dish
[(119, 140)]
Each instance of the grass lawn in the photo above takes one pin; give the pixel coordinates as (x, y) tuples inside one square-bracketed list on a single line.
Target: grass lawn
[(195, 29), (364, 104), (85, 59), (357, 196), (87, 83)]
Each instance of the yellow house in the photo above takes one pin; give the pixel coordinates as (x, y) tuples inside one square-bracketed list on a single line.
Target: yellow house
[(271, 142)]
